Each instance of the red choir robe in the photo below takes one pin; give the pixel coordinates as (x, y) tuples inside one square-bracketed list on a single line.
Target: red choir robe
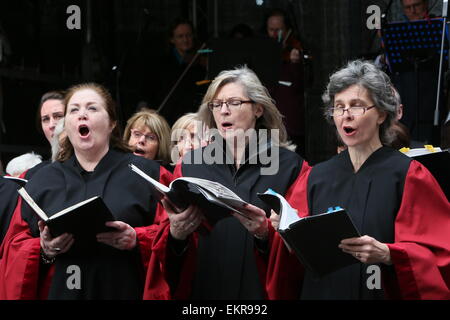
[(24, 276), (165, 282), (419, 229)]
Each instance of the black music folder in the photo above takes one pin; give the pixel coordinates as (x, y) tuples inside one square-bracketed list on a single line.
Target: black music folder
[(314, 239)]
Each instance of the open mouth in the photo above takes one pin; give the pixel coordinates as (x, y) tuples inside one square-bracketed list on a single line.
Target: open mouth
[(349, 130), (83, 130), (139, 152), (226, 125)]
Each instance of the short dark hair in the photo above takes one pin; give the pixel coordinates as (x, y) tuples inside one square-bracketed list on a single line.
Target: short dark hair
[(401, 1), (278, 12), (51, 95), (179, 21)]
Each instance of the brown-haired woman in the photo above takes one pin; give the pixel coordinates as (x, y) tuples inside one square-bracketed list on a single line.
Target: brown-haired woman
[(93, 161)]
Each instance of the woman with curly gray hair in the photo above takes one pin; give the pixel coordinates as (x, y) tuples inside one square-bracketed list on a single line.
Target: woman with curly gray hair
[(395, 203), (361, 80)]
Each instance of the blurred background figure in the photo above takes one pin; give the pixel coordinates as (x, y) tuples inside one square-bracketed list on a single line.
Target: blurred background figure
[(241, 31), (288, 93), (278, 27), (186, 96), (415, 9)]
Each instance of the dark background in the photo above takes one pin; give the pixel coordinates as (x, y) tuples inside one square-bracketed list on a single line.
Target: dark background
[(131, 35)]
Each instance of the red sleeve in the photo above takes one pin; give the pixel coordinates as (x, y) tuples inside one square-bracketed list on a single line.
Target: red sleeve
[(157, 280), (165, 176), (23, 174), (421, 251), (21, 274), (284, 270), (177, 172), (145, 235)]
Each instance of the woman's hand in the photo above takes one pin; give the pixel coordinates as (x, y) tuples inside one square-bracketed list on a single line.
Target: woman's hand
[(123, 239), (255, 221), (275, 219), (54, 246), (182, 224), (367, 250)]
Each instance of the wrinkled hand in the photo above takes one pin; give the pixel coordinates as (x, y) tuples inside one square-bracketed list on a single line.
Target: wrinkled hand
[(54, 246), (182, 224), (367, 250), (294, 56), (256, 222), (123, 239)]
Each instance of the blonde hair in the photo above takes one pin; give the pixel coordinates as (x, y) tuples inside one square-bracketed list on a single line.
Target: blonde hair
[(156, 124), (115, 140), (255, 91), (181, 124)]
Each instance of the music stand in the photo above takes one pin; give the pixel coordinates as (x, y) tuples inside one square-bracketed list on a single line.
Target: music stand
[(262, 55), (407, 43)]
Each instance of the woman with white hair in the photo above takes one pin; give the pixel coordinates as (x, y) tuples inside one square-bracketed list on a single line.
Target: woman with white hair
[(395, 203), (248, 153), (18, 165)]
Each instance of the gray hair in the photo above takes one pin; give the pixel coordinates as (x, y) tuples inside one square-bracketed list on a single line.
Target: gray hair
[(366, 75), (255, 91)]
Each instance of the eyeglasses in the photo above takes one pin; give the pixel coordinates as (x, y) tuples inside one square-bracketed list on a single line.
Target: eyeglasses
[(353, 111), (232, 104), (148, 137)]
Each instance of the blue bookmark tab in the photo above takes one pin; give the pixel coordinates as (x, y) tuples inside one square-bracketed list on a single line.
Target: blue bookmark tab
[(205, 51)]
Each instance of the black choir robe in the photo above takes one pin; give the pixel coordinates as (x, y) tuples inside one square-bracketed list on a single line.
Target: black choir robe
[(391, 198), (106, 272), (8, 201), (224, 263), (30, 172)]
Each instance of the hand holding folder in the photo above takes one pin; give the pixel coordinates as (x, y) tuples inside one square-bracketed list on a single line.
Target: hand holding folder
[(314, 239)]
